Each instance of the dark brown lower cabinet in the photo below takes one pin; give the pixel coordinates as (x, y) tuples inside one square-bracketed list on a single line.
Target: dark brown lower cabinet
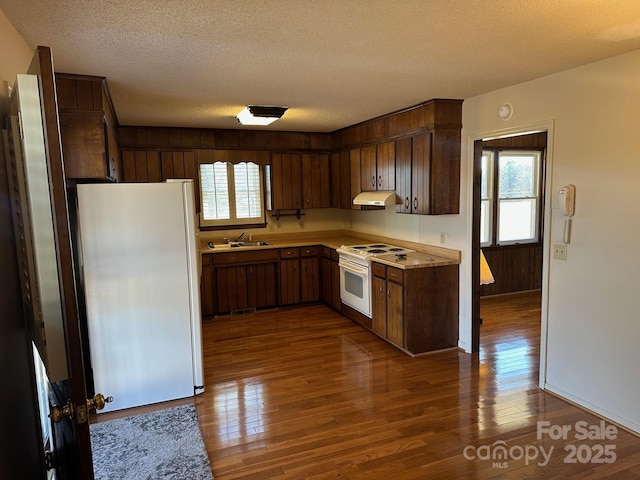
[(289, 276), (207, 289), (416, 309), (388, 303), (310, 274), (238, 281), (330, 276)]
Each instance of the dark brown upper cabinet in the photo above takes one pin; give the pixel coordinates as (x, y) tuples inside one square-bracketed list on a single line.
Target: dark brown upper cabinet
[(316, 182), (377, 167), (88, 127)]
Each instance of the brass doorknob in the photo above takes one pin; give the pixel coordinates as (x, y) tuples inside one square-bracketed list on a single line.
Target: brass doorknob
[(58, 413), (98, 401)]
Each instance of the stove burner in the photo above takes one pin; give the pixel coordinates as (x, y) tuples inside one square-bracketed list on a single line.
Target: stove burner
[(378, 245), (360, 247), (396, 249), (376, 250)]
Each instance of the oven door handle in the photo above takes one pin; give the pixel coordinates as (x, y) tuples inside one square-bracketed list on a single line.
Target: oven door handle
[(353, 268)]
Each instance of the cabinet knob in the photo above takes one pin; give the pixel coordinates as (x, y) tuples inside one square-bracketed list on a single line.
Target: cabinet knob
[(380, 180), (373, 181), (406, 202), (389, 293), (415, 203)]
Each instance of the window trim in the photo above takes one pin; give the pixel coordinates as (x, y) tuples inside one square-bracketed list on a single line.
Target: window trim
[(233, 221)]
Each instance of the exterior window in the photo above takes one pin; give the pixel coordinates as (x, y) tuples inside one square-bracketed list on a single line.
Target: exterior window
[(510, 197), (231, 194)]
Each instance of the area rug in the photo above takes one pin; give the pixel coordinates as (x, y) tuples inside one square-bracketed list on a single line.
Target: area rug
[(162, 445)]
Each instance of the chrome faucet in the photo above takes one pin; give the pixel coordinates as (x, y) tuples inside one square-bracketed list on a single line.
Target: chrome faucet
[(240, 237)]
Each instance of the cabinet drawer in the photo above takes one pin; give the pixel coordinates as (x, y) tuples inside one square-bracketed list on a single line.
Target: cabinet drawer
[(289, 252), (326, 252), (378, 270), (395, 275), (310, 251), (334, 255), (247, 256), (206, 259)]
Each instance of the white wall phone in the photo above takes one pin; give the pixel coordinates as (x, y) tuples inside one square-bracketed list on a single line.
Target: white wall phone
[(567, 199)]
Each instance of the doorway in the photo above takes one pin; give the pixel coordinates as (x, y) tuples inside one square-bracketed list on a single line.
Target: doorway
[(512, 261)]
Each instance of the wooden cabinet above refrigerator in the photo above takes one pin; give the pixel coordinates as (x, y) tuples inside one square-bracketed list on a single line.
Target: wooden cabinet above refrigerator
[(88, 129)]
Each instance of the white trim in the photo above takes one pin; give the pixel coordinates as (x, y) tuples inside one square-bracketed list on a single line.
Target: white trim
[(583, 404), (548, 126)]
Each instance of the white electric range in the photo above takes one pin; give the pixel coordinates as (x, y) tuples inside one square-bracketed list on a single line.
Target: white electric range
[(355, 272)]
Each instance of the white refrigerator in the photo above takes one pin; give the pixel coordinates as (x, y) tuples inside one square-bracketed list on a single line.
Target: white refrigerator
[(140, 263)]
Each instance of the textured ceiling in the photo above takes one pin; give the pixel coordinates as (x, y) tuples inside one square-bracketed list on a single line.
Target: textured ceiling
[(196, 63)]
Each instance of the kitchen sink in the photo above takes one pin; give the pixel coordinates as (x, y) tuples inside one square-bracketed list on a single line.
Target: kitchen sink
[(248, 244)]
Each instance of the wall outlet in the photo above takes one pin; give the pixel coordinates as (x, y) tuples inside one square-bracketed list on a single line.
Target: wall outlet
[(560, 251)]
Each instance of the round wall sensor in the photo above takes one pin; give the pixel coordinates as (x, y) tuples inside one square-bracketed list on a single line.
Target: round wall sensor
[(505, 111)]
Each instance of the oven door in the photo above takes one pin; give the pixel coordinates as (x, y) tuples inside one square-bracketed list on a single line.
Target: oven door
[(355, 286)]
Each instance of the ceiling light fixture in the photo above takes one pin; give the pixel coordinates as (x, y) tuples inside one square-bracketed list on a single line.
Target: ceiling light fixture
[(260, 115)]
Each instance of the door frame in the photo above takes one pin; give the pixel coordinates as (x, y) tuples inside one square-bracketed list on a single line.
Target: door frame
[(474, 237)]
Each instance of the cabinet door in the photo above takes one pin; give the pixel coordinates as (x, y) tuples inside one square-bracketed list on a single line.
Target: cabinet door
[(289, 281), (261, 285), (277, 182), (336, 301), (84, 146), (286, 178), (340, 180), (395, 313), (368, 174), (385, 166), (403, 174), (310, 279), (207, 288), (354, 176), (444, 171), (315, 181), (379, 306), (346, 201), (420, 173), (326, 280), (336, 179), (231, 288)]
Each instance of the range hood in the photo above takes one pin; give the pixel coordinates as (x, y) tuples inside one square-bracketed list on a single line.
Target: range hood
[(379, 199)]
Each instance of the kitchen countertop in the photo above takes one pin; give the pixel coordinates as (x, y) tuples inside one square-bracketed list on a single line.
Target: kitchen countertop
[(425, 255), (414, 260)]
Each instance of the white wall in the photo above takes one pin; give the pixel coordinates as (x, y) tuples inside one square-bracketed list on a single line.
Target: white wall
[(15, 57)]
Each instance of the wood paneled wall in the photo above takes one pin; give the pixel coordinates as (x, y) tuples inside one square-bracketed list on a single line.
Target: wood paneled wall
[(425, 116), (203, 138), (515, 268)]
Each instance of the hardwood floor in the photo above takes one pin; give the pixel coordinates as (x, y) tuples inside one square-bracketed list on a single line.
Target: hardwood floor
[(304, 393)]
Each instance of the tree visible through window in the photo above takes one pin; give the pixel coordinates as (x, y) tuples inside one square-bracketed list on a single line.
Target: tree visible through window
[(231, 193), (510, 197)]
